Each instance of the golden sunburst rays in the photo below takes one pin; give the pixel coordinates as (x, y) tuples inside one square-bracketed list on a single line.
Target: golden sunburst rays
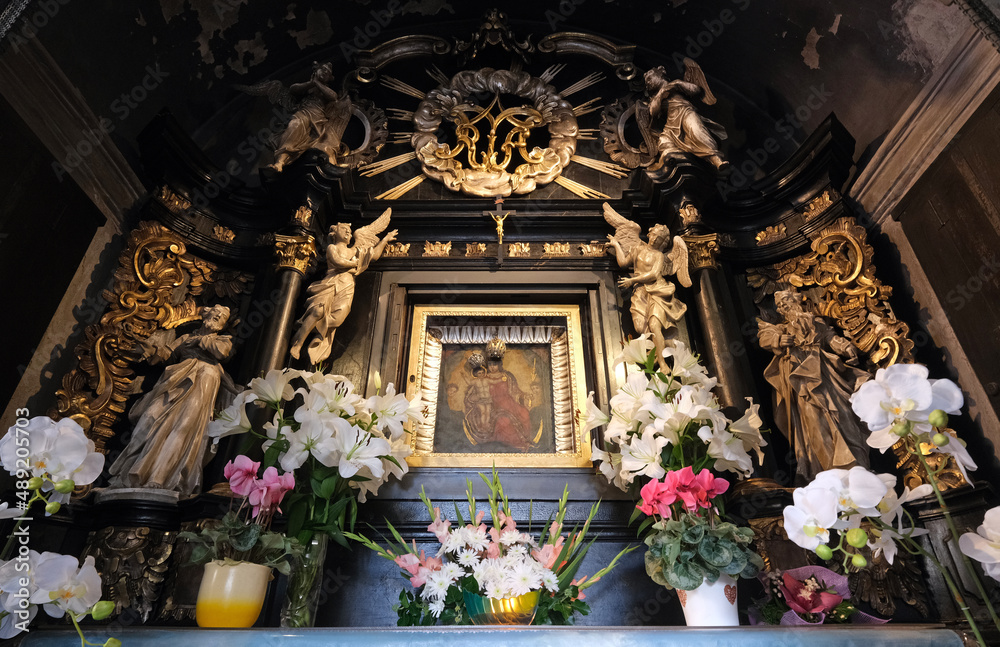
[(393, 83), (607, 168), (581, 190), (381, 166), (586, 133), (401, 137), (587, 106), (584, 83), (399, 114), (400, 189)]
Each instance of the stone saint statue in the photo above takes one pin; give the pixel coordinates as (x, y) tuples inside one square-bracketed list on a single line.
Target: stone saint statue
[(814, 372), (655, 309), (168, 442), (684, 130), (330, 298)]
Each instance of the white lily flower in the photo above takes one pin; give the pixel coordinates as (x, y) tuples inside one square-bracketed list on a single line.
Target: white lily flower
[(389, 411), (314, 436), (357, 448), (984, 547), (747, 429), (635, 352), (728, 452), (65, 586), (274, 388), (641, 456), (595, 417), (811, 516), (233, 419), (628, 399), (686, 366), (610, 465), (339, 395)]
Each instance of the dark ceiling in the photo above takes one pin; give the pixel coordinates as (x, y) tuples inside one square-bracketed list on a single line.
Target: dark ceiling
[(767, 61)]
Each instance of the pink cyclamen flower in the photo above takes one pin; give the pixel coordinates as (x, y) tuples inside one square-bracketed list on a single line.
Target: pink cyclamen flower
[(657, 497), (241, 473), (709, 486), (268, 492)]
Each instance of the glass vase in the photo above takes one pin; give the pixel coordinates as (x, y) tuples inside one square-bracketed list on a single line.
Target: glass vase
[(305, 584)]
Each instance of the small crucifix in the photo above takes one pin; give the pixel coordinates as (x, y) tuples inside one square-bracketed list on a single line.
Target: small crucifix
[(499, 217)]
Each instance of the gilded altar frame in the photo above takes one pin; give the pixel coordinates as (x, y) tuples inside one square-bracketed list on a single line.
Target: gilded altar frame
[(563, 334)]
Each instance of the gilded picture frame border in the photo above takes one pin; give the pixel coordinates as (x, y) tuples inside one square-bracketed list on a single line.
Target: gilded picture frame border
[(572, 449)]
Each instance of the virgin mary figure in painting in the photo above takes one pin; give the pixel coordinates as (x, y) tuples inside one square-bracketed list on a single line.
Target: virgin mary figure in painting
[(496, 409)]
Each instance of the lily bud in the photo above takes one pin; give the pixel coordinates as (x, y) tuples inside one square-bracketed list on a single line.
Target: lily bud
[(35, 482), (901, 429), (859, 561), (52, 507), (940, 439), (824, 552)]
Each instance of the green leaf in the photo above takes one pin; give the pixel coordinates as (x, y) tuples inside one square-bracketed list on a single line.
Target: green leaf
[(685, 575), (246, 538), (328, 486), (297, 512), (717, 552), (693, 535)]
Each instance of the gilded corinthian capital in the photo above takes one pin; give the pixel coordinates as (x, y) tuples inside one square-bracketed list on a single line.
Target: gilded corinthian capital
[(295, 252)]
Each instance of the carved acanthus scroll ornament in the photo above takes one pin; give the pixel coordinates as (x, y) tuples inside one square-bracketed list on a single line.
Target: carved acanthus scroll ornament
[(154, 288), (840, 265)]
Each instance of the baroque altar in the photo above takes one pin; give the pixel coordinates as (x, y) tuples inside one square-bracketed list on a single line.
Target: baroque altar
[(485, 221)]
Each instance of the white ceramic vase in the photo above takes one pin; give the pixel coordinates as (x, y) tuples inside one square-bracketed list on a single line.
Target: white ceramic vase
[(231, 595), (711, 605)]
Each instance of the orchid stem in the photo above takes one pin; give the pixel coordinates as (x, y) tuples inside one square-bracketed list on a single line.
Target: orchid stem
[(965, 559)]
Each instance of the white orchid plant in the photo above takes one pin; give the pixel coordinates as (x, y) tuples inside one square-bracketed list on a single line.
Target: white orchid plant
[(863, 508), (49, 459), (340, 446)]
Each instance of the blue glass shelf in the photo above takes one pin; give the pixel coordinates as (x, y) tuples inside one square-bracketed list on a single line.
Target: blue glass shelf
[(829, 636)]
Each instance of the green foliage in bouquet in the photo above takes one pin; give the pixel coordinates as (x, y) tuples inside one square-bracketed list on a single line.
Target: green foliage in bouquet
[(232, 540)]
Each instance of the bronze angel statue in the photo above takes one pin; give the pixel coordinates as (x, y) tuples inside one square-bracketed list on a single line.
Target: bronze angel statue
[(330, 298), (684, 130), (319, 119), (655, 308)]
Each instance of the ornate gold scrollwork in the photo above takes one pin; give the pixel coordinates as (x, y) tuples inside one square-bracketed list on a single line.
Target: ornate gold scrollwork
[(475, 249), (555, 249), (437, 249), (771, 234), (702, 251), (303, 217), (396, 250), (154, 288), (689, 215), (519, 250), (175, 203), (225, 234), (819, 204), (295, 252), (841, 264), (594, 250)]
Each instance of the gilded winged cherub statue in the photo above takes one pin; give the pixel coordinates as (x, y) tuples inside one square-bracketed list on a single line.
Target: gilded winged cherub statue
[(330, 298), (655, 309), (168, 442), (684, 130), (319, 119), (814, 372)]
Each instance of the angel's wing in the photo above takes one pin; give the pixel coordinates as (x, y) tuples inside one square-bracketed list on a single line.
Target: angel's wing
[(274, 90), (367, 237), (693, 74), (626, 231), (678, 257)]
